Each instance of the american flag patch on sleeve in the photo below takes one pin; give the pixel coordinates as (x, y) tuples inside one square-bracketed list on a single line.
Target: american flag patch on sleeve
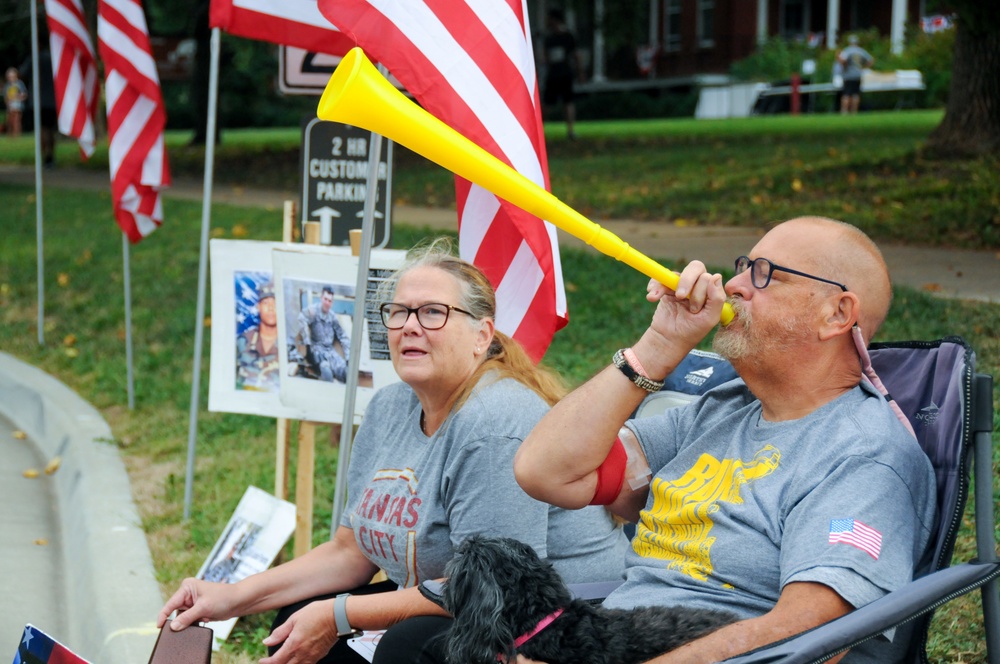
[(857, 534)]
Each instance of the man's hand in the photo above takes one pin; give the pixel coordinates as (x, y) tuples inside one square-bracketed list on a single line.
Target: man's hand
[(682, 318), (305, 637)]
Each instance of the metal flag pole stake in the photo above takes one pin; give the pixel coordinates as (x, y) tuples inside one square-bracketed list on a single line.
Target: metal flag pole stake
[(357, 330), (37, 115), (128, 321), (206, 221)]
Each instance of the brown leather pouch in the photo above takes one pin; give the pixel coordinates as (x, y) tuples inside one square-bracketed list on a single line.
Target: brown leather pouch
[(191, 645)]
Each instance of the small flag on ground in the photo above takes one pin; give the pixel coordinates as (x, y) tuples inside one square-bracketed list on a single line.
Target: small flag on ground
[(37, 647)]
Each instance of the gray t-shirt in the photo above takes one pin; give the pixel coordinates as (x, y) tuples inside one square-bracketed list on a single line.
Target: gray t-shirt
[(739, 506), (855, 60), (412, 498)]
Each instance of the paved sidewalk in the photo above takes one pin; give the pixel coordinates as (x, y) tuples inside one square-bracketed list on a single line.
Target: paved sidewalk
[(958, 273), (74, 560)]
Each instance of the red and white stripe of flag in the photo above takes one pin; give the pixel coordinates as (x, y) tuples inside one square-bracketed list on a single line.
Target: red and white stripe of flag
[(471, 64), (289, 22), (74, 71), (136, 117)]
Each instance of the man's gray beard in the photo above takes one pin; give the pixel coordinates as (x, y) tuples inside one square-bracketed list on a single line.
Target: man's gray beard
[(730, 342), (748, 343)]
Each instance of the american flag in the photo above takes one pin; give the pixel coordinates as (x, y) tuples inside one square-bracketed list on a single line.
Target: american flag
[(857, 534), (471, 64), (136, 117), (290, 23), (37, 647), (74, 71)]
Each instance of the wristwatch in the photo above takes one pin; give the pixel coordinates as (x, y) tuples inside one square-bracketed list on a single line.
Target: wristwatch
[(344, 629)]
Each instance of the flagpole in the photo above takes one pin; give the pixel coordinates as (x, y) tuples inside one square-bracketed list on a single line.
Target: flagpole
[(128, 320), (357, 329), (206, 220), (37, 115)]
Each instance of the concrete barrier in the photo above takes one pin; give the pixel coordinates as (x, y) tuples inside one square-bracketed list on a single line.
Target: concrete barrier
[(111, 597)]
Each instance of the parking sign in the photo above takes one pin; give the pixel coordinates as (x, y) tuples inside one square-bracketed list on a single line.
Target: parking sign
[(335, 181)]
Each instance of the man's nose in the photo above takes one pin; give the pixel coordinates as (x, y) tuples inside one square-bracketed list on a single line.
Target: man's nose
[(740, 285)]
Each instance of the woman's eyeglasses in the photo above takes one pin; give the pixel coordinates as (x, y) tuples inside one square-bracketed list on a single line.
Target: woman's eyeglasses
[(432, 316)]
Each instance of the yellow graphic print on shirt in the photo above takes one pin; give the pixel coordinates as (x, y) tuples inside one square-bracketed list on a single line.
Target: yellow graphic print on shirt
[(678, 527)]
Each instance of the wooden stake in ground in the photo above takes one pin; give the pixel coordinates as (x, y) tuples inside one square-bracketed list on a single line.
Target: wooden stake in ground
[(307, 456)]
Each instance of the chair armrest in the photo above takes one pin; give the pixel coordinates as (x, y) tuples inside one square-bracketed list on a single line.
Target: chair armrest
[(893, 609), (594, 590)]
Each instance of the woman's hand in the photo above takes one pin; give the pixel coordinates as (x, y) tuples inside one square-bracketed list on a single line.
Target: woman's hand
[(305, 637), (198, 600)]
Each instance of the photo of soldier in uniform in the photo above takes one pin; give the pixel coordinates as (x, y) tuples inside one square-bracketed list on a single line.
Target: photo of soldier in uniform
[(257, 366), (318, 320)]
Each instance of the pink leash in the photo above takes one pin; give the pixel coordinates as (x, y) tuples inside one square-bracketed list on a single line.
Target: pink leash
[(868, 374)]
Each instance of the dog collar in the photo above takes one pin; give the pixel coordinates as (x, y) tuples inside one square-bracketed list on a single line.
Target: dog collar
[(542, 624)]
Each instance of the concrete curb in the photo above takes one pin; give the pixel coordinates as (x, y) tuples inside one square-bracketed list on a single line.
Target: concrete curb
[(111, 595)]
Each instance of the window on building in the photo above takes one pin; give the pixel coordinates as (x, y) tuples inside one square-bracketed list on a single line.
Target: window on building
[(672, 25), (706, 23), (794, 18)]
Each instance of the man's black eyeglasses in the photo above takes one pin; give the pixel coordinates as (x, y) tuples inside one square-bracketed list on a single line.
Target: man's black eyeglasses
[(431, 316), (761, 270)]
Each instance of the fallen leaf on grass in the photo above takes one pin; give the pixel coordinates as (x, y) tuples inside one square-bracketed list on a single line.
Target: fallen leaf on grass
[(63, 279), (932, 288), (796, 185), (239, 230), (72, 352), (218, 232), (4, 289), (69, 340)]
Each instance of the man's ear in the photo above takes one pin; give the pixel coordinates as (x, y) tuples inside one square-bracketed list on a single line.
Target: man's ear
[(839, 315)]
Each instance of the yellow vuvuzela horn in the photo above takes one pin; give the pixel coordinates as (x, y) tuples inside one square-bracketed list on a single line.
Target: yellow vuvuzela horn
[(359, 95)]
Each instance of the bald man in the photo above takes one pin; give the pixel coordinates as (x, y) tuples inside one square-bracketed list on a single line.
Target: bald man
[(788, 496)]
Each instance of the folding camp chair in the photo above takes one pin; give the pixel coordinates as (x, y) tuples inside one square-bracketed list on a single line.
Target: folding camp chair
[(951, 410)]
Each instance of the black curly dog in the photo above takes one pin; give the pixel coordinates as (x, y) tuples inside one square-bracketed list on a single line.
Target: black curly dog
[(505, 601)]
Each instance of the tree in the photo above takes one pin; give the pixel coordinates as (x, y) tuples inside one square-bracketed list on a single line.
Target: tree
[(971, 124)]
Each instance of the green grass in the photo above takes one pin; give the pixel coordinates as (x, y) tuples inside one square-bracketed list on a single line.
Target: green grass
[(868, 169), (730, 172)]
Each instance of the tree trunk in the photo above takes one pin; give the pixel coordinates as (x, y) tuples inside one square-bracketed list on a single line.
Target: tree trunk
[(971, 125)]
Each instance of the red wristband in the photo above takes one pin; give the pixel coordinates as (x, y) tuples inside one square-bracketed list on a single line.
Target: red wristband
[(610, 475)]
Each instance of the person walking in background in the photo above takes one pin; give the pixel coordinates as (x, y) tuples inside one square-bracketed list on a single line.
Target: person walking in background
[(14, 96), (562, 65), (853, 60)]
